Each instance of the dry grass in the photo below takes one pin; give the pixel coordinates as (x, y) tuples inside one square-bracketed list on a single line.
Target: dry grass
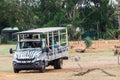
[(4, 49), (97, 46), (103, 60)]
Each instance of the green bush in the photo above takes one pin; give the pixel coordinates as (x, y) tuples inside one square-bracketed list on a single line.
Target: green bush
[(4, 41), (117, 33), (88, 42)]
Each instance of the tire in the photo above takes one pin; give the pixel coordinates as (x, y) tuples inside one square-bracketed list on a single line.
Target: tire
[(16, 70), (42, 69), (58, 64)]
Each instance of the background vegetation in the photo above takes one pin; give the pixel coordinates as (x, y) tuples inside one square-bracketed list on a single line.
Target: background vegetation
[(95, 18)]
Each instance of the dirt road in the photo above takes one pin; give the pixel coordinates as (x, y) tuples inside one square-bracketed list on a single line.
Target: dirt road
[(105, 61)]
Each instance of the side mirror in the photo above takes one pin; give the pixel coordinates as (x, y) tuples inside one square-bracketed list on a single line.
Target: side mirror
[(11, 51)]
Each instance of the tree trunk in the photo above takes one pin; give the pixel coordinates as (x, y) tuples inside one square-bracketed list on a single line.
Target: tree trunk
[(119, 15), (119, 20)]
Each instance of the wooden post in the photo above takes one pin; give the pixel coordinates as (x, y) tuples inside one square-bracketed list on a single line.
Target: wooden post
[(118, 59)]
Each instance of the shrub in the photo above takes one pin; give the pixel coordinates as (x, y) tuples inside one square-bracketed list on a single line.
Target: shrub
[(88, 42), (4, 40), (117, 33)]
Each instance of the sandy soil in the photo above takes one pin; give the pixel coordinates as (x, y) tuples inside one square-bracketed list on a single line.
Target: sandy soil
[(97, 45), (106, 61)]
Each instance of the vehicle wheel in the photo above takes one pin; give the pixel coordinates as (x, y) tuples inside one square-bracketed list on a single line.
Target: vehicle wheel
[(16, 70), (58, 64), (42, 69)]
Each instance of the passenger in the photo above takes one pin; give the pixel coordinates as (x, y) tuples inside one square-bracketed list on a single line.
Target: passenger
[(55, 43), (35, 37), (37, 44), (30, 36), (34, 45), (50, 44)]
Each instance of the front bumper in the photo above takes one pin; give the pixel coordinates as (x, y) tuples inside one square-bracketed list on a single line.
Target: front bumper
[(27, 66)]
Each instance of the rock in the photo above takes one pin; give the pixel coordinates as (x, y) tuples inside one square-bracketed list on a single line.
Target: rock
[(80, 50)]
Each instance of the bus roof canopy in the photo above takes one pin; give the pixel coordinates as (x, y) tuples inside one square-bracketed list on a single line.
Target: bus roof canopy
[(42, 30)]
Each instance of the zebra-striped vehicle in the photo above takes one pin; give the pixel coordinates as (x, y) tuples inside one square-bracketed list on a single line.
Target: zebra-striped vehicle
[(39, 48)]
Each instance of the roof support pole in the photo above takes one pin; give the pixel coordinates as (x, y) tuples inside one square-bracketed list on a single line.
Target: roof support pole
[(48, 39), (59, 37), (18, 37), (66, 37), (38, 36), (53, 42), (23, 35)]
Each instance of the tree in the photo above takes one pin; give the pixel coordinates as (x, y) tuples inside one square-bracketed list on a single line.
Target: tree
[(119, 13), (90, 15), (3, 15), (97, 16), (18, 13)]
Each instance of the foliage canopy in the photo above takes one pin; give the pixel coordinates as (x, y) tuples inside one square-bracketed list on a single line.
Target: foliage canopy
[(96, 16)]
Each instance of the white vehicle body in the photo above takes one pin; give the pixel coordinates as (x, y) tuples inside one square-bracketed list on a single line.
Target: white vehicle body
[(41, 51)]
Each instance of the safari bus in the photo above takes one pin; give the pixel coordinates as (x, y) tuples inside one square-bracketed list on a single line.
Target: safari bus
[(38, 48)]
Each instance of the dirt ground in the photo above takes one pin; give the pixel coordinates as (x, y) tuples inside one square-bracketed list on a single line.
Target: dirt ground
[(97, 45), (103, 60)]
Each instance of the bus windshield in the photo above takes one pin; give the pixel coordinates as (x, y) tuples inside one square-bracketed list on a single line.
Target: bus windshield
[(29, 44)]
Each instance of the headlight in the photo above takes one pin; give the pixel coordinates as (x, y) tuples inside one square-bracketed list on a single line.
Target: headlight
[(15, 57), (37, 56)]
